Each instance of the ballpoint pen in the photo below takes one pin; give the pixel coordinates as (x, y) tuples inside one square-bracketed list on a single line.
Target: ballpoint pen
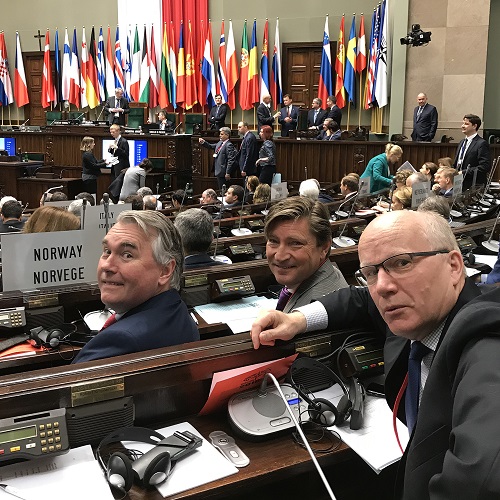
[(12, 491)]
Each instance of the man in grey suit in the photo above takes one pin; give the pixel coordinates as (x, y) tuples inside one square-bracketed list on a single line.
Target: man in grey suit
[(116, 108), (225, 155), (425, 120), (299, 238)]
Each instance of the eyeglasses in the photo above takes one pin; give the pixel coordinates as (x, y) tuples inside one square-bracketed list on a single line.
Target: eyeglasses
[(397, 265)]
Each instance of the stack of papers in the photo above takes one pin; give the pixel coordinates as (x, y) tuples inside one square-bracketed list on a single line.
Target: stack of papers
[(237, 314)]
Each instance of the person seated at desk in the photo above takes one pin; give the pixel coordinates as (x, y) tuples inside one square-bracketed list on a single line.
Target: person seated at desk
[(262, 193), (298, 242), (164, 123), (444, 182), (401, 198), (136, 200), (416, 178), (378, 167), (309, 189), (252, 183), (145, 191), (12, 217), (50, 219), (87, 196), (429, 169), (178, 199), (322, 135), (333, 132), (139, 274), (419, 300), (233, 197), (196, 228), (349, 186), (437, 204), (150, 202)]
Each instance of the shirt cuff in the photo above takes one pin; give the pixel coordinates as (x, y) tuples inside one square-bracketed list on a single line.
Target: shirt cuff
[(315, 314)]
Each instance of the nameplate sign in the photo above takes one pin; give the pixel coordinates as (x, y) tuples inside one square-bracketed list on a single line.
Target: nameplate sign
[(60, 204), (364, 186), (458, 181), (419, 192), (38, 260), (279, 191), (95, 217)]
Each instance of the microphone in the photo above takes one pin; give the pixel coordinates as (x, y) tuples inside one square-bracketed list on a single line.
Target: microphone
[(105, 202), (157, 188), (456, 213), (342, 213), (102, 109), (84, 207), (61, 172), (266, 211), (33, 174), (175, 129), (44, 197), (492, 245), (343, 241), (223, 191), (488, 183), (184, 196), (305, 171), (241, 231), (25, 122), (24, 208)]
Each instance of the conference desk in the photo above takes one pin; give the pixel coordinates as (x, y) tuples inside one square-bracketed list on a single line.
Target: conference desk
[(31, 189), (11, 171)]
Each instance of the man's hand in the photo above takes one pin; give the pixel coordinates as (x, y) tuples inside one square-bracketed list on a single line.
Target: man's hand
[(227, 177), (272, 325), (243, 173), (201, 140)]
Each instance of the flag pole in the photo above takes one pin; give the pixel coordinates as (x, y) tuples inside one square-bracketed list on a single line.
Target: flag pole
[(348, 114), (360, 98)]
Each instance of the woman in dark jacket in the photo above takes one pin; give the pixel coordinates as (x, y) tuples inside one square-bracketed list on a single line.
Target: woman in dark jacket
[(266, 164), (91, 166)]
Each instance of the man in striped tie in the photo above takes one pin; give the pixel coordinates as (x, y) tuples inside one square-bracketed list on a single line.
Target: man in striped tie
[(442, 346), (139, 275)]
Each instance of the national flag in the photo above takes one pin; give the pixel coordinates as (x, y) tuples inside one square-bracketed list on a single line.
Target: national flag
[(245, 102), (92, 82), (181, 69), (191, 94), (83, 77), (350, 63), (101, 68), (381, 90), (339, 68), (66, 68), (74, 82), (173, 67), (221, 66), (145, 63), (276, 93), (135, 78), (127, 68), (20, 87), (361, 51), (372, 64), (6, 94), (253, 69), (208, 70), (264, 63), (201, 83), (119, 80), (153, 74), (110, 70), (58, 72), (164, 82), (48, 90), (231, 68), (325, 87)]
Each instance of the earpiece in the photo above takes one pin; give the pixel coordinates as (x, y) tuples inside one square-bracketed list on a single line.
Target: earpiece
[(41, 337), (119, 472)]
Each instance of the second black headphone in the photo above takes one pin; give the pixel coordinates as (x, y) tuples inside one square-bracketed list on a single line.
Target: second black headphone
[(321, 411), (121, 470), (50, 338)]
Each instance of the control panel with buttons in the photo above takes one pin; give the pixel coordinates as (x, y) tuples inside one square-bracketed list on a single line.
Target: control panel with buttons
[(12, 317)]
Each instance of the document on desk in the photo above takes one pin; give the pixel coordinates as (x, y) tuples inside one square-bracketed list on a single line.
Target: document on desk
[(75, 475), (375, 442), (204, 465), (237, 314)]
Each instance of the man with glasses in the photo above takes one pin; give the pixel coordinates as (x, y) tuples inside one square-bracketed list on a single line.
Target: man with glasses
[(417, 297)]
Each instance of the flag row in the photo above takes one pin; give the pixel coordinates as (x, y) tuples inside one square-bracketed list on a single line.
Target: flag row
[(175, 76)]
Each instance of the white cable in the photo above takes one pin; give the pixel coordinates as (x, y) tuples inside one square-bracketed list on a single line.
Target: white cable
[(301, 433)]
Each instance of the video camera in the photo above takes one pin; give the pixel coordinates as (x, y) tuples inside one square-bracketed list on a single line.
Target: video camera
[(416, 37)]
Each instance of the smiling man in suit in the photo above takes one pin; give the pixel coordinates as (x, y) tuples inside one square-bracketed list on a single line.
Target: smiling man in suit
[(316, 115), (225, 155), (288, 116), (473, 154), (249, 150), (425, 120)]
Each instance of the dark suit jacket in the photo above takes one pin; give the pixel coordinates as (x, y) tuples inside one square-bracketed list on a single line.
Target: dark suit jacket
[(218, 119), (264, 115), (424, 128), (435, 460), (476, 156), (226, 157), (122, 153), (311, 122), (325, 280), (109, 104), (248, 154), (161, 321), (287, 126), (90, 165), (335, 113), (199, 260)]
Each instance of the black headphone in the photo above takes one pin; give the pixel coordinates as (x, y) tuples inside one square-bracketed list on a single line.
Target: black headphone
[(41, 337), (121, 470), (321, 411)]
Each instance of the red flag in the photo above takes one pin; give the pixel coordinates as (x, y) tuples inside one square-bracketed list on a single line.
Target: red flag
[(361, 51), (191, 63), (221, 68), (153, 74), (48, 89), (92, 82), (231, 68), (339, 68)]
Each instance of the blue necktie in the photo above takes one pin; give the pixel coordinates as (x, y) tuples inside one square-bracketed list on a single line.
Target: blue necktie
[(284, 297), (417, 352)]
